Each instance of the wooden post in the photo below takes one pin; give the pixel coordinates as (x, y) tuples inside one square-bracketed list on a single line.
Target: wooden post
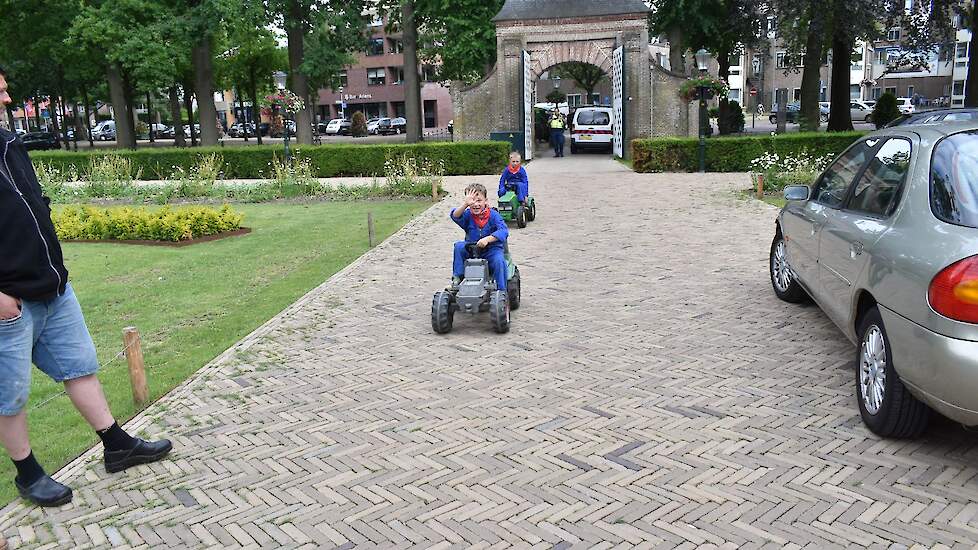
[(760, 186), (434, 190), (134, 356), (370, 228)]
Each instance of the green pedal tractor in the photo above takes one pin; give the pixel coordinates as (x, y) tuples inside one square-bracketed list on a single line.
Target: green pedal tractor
[(510, 208)]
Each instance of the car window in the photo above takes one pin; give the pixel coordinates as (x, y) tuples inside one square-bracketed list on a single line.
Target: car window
[(593, 118), (961, 116), (835, 181), (954, 179), (878, 188)]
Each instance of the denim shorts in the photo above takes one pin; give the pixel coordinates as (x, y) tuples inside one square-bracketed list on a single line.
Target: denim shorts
[(53, 336)]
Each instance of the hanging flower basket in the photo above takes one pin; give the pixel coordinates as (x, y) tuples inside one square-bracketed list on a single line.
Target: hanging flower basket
[(715, 87), (286, 101)]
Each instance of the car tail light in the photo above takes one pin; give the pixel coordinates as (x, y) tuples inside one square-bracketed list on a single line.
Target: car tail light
[(954, 291)]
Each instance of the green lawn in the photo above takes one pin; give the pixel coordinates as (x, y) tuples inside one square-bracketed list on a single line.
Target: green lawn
[(192, 303)]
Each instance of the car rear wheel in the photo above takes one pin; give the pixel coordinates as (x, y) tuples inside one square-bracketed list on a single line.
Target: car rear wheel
[(786, 287), (887, 407)]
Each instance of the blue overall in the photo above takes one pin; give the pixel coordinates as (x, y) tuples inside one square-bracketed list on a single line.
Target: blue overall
[(519, 182), (494, 252)]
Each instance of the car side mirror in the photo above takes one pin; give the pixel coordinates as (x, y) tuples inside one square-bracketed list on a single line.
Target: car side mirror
[(796, 193)]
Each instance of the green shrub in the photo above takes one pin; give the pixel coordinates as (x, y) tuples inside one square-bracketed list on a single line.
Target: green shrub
[(255, 162), (126, 223), (358, 126), (735, 117), (731, 154), (885, 110)]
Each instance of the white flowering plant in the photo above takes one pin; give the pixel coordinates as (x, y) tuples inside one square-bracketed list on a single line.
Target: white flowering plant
[(788, 169)]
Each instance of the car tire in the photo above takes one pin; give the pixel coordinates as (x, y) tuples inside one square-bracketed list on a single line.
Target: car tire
[(520, 216), (499, 311), (869, 118), (783, 280), (513, 286), (887, 407), (773, 119), (442, 312), (573, 148)]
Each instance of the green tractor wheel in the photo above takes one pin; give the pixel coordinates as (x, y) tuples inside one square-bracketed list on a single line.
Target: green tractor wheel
[(532, 212), (520, 216)]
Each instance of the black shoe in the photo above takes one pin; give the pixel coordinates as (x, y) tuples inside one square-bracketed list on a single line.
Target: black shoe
[(143, 453), (45, 492)]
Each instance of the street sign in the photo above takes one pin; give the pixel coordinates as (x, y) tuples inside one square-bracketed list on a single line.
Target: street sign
[(753, 91)]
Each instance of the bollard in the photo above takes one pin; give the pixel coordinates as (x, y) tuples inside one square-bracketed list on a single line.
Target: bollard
[(434, 190), (760, 186), (137, 372), (370, 228)]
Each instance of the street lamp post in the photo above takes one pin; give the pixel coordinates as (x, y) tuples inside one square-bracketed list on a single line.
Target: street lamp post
[(702, 58), (342, 105), (280, 84)]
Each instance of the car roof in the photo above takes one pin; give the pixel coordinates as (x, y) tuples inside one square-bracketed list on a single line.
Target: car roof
[(932, 130)]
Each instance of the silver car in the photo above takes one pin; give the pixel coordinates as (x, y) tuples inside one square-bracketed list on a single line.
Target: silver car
[(886, 243)]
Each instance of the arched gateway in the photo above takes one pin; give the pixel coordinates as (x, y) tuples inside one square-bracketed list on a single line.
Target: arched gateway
[(534, 35)]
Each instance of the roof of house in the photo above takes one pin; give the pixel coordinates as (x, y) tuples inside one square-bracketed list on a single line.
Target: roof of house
[(562, 9)]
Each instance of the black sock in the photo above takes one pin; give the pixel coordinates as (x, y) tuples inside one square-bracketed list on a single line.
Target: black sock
[(28, 470), (115, 438)]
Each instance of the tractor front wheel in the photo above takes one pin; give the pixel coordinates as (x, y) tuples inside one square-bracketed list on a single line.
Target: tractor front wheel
[(499, 311), (442, 313), (531, 213), (520, 216)]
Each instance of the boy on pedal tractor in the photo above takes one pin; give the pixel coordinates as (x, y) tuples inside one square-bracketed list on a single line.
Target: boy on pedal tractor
[(484, 227), (515, 202)]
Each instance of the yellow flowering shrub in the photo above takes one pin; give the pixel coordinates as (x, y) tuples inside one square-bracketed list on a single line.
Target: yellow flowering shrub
[(128, 223)]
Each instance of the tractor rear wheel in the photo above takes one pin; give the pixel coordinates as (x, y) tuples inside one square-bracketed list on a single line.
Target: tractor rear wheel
[(499, 311), (531, 214), (520, 216), (442, 313), (513, 286)]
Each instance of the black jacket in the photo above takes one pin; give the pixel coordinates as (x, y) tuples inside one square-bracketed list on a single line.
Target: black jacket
[(31, 264)]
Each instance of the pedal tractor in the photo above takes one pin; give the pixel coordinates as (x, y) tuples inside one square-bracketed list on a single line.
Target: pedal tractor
[(477, 293), (511, 209)]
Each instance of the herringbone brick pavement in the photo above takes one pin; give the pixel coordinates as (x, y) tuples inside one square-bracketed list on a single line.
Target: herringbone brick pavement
[(652, 393)]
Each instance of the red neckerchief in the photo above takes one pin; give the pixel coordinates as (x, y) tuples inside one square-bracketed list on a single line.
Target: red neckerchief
[(481, 220), (511, 171)]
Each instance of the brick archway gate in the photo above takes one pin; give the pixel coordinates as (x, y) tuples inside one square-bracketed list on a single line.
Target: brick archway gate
[(534, 35)]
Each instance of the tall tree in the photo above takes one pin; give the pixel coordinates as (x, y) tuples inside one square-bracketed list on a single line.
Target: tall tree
[(412, 72), (586, 76), (458, 37), (802, 27)]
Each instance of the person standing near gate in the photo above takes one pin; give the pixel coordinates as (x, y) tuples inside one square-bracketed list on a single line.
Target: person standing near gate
[(557, 133), (41, 322)]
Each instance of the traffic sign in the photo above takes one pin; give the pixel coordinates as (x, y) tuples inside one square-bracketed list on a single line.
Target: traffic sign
[(753, 91)]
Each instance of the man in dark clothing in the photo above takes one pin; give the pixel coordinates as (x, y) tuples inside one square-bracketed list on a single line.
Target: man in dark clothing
[(41, 322)]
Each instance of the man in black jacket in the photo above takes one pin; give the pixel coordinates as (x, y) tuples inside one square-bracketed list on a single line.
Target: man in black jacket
[(41, 322)]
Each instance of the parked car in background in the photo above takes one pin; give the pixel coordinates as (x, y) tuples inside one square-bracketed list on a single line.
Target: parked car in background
[(859, 111), (372, 125), (397, 125), (35, 141), (935, 115), (338, 126), (186, 130), (451, 127), (104, 131), (861, 242), (905, 104), (591, 128), (20, 131), (240, 129), (793, 110)]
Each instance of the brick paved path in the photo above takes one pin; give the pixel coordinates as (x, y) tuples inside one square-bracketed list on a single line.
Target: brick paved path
[(652, 393)]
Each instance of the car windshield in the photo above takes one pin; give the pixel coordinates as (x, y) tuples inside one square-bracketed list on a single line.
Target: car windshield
[(954, 179), (593, 118)]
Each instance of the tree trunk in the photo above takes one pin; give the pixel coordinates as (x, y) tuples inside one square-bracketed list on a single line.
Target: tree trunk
[(723, 59), (88, 116), (295, 31), (244, 119), (677, 61), (55, 107), (971, 85), (412, 76), (840, 117), (204, 90), (37, 114), (124, 138), (253, 83), (189, 103), (130, 108), (178, 138), (64, 114), (810, 76), (149, 117)]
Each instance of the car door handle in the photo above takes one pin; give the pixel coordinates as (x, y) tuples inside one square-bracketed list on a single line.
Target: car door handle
[(815, 228), (855, 249)]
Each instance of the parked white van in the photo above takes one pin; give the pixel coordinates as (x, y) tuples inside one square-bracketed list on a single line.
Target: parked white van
[(591, 128)]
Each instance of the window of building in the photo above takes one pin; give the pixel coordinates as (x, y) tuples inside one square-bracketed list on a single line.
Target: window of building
[(890, 90), (734, 95), (397, 74), (944, 53), (876, 93), (376, 77), (957, 102), (854, 91), (893, 35), (781, 60), (430, 113), (960, 63), (429, 74), (961, 50), (377, 21), (772, 27), (796, 96), (595, 99), (909, 91), (375, 46), (394, 45), (757, 65), (881, 57), (958, 87), (342, 78), (573, 100)]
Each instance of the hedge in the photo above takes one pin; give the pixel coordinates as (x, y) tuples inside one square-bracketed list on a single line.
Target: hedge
[(254, 162), (731, 154), (165, 224)]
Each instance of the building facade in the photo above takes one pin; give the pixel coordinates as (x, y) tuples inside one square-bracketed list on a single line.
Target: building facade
[(374, 85)]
